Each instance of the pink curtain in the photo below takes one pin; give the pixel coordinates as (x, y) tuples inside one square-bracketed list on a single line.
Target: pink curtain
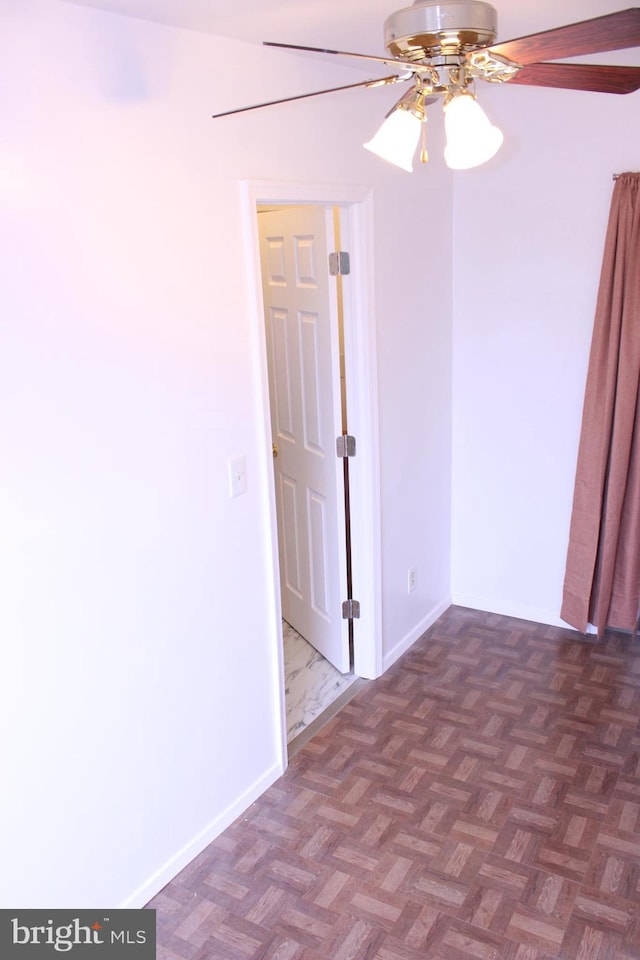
[(602, 579)]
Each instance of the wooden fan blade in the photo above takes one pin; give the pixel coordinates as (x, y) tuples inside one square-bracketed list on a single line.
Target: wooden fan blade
[(614, 31), (580, 76), (390, 62), (383, 81)]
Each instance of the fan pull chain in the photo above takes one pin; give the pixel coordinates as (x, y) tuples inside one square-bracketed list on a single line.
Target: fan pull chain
[(424, 156)]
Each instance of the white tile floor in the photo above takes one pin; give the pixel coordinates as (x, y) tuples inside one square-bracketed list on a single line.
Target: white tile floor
[(311, 682)]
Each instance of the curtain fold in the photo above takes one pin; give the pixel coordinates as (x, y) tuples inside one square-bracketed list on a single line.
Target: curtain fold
[(602, 578)]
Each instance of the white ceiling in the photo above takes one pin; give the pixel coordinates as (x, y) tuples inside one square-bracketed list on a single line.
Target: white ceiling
[(354, 25)]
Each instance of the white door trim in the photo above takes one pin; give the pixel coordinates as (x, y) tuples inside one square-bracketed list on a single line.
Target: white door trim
[(356, 224)]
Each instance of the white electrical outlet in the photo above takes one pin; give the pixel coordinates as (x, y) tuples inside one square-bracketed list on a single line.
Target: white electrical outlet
[(412, 576)]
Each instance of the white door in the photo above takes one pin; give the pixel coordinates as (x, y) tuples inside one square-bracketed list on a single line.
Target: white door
[(304, 384)]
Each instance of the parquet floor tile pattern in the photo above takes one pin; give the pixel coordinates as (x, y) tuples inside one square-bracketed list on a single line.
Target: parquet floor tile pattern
[(479, 801)]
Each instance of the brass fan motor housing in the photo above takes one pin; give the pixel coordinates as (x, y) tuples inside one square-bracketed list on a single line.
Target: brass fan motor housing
[(428, 30)]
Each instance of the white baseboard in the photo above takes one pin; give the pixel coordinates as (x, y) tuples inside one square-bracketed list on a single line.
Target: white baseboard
[(506, 609), (179, 860), (403, 645)]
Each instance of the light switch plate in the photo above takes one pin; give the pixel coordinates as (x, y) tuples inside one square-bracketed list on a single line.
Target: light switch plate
[(237, 476)]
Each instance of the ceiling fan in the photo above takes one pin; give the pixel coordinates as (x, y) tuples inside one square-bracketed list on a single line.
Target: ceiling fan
[(445, 47)]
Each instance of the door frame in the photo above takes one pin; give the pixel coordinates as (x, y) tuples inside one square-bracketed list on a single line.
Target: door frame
[(355, 205)]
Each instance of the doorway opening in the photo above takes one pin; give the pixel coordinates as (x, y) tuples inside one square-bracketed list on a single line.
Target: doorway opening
[(304, 332), (331, 369)]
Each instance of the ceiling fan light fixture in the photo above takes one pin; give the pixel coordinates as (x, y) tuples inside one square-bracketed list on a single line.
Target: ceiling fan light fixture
[(397, 139), (471, 137)]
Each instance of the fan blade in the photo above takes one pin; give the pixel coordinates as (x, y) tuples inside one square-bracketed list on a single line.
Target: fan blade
[(614, 31), (580, 76), (383, 81), (390, 62)]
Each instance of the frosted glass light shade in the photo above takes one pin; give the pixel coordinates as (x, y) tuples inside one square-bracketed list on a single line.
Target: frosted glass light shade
[(397, 139), (471, 137)]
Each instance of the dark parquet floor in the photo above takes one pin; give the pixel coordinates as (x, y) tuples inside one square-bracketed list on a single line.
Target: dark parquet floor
[(479, 801)]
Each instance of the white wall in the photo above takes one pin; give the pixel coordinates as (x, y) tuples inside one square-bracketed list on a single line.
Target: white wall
[(140, 701), (414, 345), (528, 237)]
